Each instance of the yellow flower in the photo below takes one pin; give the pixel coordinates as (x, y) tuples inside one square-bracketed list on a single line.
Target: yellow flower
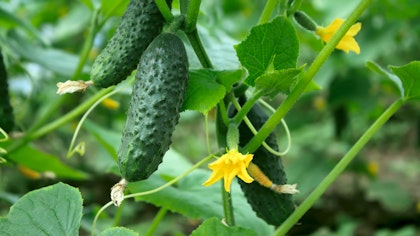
[(110, 104), (347, 43), (231, 164)]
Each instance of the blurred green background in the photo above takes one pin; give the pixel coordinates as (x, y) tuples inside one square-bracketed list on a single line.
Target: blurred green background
[(378, 194)]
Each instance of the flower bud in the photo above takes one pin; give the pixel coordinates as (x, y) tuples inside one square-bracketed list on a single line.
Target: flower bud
[(305, 21)]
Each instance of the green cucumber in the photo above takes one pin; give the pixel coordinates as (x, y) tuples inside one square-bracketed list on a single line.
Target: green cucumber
[(140, 24), (6, 110), (272, 207), (158, 93)]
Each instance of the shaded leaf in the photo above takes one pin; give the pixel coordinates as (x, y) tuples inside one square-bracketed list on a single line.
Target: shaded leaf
[(390, 194), (53, 210), (214, 226), (109, 138), (378, 69), (120, 231), (273, 44), (10, 20), (277, 81), (53, 59), (42, 162), (410, 78)]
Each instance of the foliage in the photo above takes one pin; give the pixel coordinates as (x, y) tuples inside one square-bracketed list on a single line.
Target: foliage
[(353, 176)]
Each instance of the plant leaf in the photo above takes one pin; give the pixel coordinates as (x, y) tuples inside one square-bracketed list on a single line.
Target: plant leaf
[(43, 162), (207, 87), (409, 75), (202, 202), (53, 210), (274, 44), (120, 231), (278, 81), (378, 69), (214, 226), (113, 8)]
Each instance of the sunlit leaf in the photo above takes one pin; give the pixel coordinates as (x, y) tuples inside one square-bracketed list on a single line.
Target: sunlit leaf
[(53, 210), (274, 44), (207, 87)]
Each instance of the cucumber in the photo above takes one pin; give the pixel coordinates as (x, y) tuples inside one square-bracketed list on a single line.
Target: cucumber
[(158, 93), (140, 24), (272, 207), (6, 110)]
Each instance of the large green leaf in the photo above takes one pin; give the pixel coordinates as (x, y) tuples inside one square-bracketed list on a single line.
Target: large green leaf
[(191, 199), (207, 87), (409, 75), (53, 210), (272, 45), (214, 226)]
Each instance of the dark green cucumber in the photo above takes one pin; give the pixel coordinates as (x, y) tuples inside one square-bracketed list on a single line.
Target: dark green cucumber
[(140, 24), (6, 110), (272, 207), (158, 93)]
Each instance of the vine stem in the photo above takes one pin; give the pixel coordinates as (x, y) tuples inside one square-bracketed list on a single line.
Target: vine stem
[(173, 181), (165, 10), (305, 79), (268, 11), (61, 121), (336, 171), (88, 43), (227, 206), (192, 14), (158, 218)]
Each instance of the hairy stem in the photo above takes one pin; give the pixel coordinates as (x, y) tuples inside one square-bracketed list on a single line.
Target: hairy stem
[(268, 11)]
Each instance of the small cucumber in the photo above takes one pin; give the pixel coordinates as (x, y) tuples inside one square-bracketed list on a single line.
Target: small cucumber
[(6, 110), (158, 93), (270, 206), (140, 24)]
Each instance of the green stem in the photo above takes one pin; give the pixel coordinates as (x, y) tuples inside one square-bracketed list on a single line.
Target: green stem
[(268, 11), (247, 107), (165, 10), (332, 176), (199, 50), (192, 15), (295, 6), (59, 122), (158, 218), (227, 206), (305, 79), (87, 44)]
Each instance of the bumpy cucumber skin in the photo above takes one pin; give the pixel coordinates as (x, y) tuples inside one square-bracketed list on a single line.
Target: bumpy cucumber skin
[(140, 24), (156, 101), (6, 110), (272, 207)]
